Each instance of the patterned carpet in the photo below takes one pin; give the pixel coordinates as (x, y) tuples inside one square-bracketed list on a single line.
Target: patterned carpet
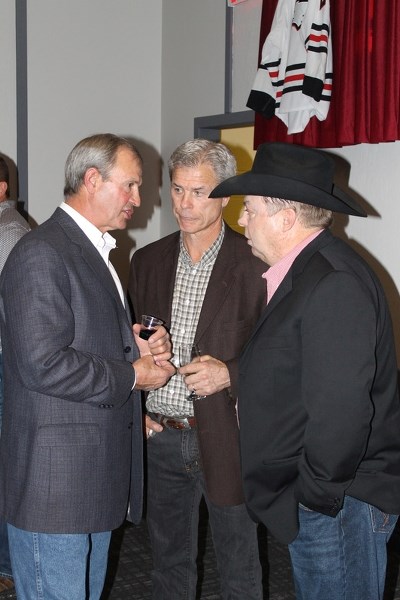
[(130, 566), (129, 570)]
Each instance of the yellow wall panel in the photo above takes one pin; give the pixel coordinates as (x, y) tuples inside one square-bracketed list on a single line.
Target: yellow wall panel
[(240, 141)]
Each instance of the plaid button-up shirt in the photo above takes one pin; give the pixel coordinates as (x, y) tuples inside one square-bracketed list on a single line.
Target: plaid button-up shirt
[(190, 287)]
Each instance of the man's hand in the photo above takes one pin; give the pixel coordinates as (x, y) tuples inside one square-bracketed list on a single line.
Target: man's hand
[(152, 427), (158, 345), (207, 375), (151, 375)]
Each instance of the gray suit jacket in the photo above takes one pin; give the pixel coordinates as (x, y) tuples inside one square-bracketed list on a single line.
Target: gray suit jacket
[(234, 299), (71, 445)]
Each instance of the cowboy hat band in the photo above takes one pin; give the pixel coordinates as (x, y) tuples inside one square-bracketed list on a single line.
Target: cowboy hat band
[(291, 172)]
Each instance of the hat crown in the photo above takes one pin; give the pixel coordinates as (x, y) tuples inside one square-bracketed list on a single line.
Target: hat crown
[(295, 162), (291, 172)]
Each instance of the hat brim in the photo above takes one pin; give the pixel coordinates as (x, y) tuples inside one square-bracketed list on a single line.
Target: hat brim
[(261, 184)]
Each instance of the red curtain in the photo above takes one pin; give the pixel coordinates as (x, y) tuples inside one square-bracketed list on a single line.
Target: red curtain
[(366, 78)]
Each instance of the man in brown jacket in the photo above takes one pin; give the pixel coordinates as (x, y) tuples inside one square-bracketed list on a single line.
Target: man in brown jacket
[(206, 285)]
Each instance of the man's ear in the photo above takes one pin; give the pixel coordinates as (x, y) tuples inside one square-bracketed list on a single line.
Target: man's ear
[(289, 217), (91, 179), (3, 189), (225, 201)]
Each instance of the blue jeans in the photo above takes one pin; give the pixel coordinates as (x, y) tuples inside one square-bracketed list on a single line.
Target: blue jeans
[(342, 558), (1, 389), (5, 564), (175, 486), (49, 566)]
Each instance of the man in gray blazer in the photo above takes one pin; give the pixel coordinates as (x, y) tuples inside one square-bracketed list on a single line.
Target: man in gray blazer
[(71, 446), (204, 282)]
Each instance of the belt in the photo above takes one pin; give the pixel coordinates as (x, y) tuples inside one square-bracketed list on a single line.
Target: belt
[(175, 422)]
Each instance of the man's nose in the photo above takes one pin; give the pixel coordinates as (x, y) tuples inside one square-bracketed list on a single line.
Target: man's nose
[(241, 219), (134, 198), (186, 200)]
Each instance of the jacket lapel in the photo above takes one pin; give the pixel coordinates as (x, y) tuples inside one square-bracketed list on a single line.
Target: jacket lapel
[(287, 284), (221, 280), (89, 253), (283, 290), (166, 274)]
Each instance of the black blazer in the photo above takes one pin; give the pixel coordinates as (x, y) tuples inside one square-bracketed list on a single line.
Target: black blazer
[(318, 401), (233, 302)]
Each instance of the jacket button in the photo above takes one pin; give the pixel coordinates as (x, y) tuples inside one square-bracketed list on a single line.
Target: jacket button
[(127, 349)]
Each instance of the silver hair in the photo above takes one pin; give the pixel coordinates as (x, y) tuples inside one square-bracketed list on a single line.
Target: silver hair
[(309, 216), (198, 152), (99, 151)]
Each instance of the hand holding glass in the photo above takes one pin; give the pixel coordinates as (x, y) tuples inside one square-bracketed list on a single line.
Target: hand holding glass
[(187, 352), (148, 326)]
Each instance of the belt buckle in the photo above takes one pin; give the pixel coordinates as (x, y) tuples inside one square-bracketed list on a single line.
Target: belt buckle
[(167, 421)]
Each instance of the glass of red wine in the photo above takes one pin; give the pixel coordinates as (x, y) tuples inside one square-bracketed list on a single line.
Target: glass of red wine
[(148, 326)]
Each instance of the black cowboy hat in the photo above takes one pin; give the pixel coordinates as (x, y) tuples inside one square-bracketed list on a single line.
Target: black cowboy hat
[(291, 172)]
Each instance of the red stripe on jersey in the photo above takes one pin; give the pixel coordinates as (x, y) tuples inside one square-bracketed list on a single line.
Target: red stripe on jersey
[(318, 38), (298, 77)]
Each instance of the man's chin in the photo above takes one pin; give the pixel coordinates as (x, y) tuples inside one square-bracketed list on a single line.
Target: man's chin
[(256, 253), (187, 226)]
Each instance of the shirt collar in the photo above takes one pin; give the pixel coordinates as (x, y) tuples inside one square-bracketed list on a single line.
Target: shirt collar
[(104, 242), (275, 274), (209, 255)]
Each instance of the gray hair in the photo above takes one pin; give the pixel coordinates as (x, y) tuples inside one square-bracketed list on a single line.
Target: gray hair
[(309, 216), (98, 151), (198, 152)]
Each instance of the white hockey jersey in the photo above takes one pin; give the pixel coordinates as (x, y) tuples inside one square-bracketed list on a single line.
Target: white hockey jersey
[(294, 78)]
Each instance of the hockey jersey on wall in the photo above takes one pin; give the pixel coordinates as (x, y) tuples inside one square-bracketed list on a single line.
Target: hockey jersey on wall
[(294, 78)]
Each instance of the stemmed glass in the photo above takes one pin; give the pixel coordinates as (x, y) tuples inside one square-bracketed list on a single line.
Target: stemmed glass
[(186, 353)]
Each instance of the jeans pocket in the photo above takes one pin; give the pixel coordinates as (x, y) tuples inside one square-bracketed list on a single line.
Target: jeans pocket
[(381, 522), (305, 507)]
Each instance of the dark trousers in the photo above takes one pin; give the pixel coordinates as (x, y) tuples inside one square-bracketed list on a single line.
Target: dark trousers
[(174, 490)]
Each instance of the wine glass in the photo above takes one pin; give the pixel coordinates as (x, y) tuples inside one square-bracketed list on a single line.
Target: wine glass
[(186, 353)]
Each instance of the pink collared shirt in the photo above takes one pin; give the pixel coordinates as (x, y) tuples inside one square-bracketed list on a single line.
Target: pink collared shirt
[(275, 274)]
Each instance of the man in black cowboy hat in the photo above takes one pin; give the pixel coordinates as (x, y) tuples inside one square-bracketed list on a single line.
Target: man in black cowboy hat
[(318, 401)]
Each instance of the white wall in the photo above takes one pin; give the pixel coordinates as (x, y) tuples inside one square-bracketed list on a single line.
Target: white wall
[(375, 180), (245, 42), (94, 66), (193, 75), (146, 69), (8, 119)]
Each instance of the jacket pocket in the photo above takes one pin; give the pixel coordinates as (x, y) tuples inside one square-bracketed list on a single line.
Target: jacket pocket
[(280, 473)]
